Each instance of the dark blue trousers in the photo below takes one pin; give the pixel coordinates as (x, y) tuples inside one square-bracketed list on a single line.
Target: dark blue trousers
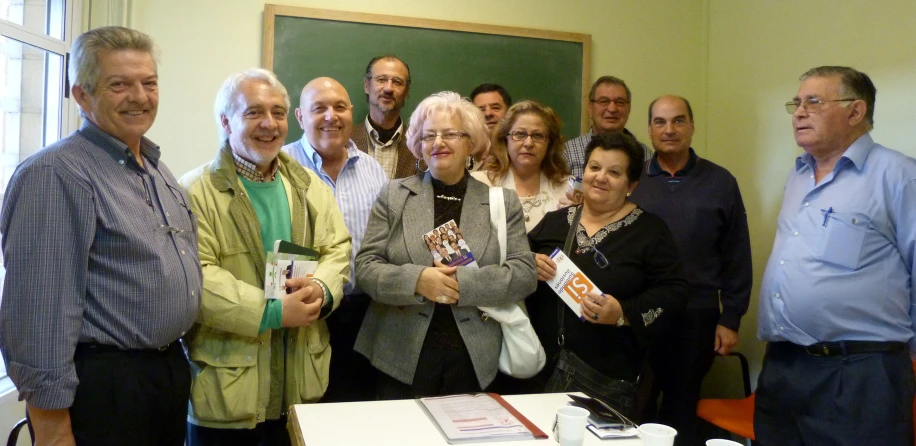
[(855, 400)]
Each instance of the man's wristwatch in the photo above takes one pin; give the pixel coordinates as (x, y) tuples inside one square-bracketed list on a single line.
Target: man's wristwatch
[(621, 321)]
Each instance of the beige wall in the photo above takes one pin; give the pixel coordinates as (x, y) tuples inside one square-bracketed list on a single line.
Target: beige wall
[(757, 50), (203, 41), (737, 61)]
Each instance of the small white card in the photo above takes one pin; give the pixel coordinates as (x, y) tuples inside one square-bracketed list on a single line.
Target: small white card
[(569, 283)]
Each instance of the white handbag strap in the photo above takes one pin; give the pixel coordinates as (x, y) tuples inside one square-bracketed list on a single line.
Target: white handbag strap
[(498, 218)]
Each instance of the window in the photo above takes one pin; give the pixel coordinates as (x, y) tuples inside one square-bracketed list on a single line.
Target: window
[(35, 109)]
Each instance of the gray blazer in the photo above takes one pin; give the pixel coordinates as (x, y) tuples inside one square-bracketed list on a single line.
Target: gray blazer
[(393, 255)]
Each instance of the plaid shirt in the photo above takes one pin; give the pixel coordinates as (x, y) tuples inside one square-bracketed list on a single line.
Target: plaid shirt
[(250, 172), (575, 152)]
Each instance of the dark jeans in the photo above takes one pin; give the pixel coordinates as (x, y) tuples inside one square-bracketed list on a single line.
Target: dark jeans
[(268, 433), (860, 399), (352, 377), (130, 397), (679, 361)]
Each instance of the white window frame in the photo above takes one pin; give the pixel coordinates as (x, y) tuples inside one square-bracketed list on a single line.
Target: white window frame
[(69, 116)]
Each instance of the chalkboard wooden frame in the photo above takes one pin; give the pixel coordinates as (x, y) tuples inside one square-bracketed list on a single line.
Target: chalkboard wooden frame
[(271, 12)]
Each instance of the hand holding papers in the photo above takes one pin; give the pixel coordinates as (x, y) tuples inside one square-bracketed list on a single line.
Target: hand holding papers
[(569, 283), (285, 262)]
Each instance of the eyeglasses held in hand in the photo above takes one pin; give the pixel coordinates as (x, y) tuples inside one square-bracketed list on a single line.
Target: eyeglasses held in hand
[(811, 105), (600, 259), (430, 138), (520, 135), (604, 102)]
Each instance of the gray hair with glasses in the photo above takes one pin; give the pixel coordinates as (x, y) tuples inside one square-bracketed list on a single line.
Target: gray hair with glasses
[(449, 103), (84, 67), (226, 105), (854, 85)]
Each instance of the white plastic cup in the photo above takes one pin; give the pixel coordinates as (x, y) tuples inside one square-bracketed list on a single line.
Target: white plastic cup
[(571, 425), (721, 442), (653, 434)]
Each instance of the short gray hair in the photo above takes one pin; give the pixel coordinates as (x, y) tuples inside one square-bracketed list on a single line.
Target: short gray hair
[(450, 103), (84, 55), (854, 84), (225, 97)]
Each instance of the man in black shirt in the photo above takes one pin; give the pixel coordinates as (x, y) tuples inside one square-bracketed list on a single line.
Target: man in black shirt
[(702, 206)]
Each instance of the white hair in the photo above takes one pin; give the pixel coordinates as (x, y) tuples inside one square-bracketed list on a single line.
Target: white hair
[(225, 98), (450, 103)]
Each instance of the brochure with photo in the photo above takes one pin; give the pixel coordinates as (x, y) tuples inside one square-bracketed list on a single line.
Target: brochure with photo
[(447, 245), (285, 262)]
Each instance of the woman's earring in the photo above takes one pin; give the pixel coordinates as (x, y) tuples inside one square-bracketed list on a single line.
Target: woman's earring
[(418, 167), (469, 163), (629, 193)]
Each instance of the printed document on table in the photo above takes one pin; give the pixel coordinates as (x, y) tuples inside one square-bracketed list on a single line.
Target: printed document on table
[(470, 418), (570, 283)]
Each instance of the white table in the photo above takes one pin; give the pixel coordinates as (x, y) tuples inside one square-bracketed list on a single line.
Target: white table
[(405, 423)]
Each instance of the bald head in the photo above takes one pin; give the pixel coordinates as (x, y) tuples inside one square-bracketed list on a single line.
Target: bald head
[(325, 115)]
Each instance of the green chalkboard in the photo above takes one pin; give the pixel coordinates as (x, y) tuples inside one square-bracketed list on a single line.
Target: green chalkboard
[(301, 44)]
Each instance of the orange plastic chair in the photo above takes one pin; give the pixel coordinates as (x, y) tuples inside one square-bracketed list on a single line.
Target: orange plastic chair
[(733, 415), (736, 416)]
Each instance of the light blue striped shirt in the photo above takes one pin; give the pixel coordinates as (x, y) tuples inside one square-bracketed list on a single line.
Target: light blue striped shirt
[(842, 262), (358, 184)]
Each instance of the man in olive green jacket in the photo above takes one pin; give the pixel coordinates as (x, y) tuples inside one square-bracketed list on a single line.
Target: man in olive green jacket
[(253, 358)]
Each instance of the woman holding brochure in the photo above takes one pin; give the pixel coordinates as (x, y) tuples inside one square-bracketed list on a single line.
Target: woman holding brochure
[(527, 157), (630, 256), (423, 330)]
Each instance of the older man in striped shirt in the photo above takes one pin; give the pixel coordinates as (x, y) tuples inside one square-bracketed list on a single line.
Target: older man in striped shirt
[(325, 114), (102, 273)]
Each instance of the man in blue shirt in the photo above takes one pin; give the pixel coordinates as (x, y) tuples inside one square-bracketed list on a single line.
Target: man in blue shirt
[(836, 303), (102, 275), (325, 114)]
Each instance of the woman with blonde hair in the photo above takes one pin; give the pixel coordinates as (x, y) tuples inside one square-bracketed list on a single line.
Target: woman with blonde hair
[(423, 330), (527, 157)]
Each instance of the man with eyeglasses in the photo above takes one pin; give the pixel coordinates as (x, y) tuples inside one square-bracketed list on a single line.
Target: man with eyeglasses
[(383, 135), (837, 298), (326, 117), (701, 204), (609, 108)]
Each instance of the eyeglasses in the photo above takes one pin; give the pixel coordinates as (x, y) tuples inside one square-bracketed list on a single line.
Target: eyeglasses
[(811, 105), (520, 135), (383, 80), (599, 258), (430, 138), (604, 102)]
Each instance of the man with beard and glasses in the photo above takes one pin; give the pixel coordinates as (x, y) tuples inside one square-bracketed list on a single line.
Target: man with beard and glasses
[(383, 135), (251, 358)]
